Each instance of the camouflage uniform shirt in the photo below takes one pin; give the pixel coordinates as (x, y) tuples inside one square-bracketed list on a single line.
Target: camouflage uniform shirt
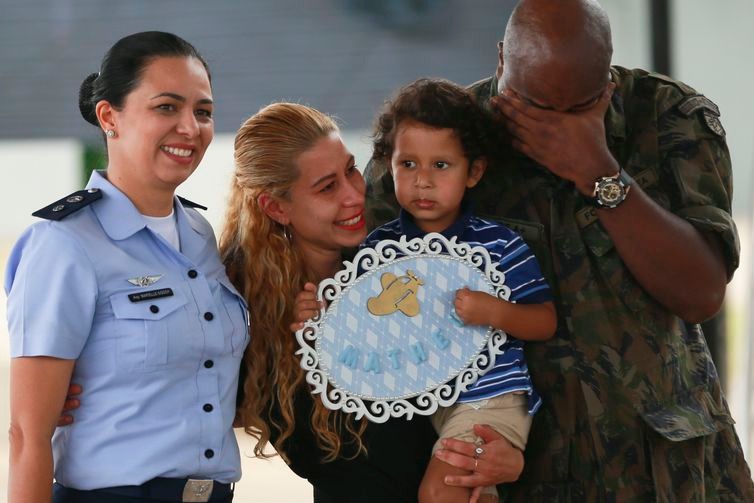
[(633, 409)]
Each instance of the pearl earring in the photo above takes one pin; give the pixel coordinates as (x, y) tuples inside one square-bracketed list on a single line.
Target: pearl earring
[(110, 133)]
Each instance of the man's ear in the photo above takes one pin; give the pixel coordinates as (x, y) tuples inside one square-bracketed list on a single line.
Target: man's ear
[(273, 208), (476, 170)]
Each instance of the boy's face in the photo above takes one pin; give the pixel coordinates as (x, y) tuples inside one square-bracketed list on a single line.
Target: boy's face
[(431, 174)]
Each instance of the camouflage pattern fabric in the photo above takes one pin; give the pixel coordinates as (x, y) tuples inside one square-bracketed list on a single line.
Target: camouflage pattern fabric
[(633, 409)]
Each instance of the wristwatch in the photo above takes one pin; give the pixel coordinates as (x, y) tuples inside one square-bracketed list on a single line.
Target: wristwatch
[(611, 191)]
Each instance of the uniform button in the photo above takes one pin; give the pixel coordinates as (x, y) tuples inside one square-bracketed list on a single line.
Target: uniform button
[(208, 364), (192, 274), (209, 454), (154, 309), (209, 316), (207, 407)]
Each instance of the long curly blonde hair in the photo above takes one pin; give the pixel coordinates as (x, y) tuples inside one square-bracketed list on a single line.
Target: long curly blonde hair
[(264, 265)]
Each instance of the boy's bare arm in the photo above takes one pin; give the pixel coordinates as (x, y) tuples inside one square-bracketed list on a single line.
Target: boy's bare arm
[(528, 322)]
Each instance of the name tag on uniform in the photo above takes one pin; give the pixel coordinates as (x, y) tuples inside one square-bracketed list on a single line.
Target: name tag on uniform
[(150, 295)]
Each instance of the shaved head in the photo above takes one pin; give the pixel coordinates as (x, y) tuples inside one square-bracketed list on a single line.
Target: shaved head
[(565, 44)]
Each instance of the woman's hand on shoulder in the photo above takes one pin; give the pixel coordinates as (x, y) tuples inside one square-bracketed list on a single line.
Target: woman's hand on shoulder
[(305, 306), (499, 463)]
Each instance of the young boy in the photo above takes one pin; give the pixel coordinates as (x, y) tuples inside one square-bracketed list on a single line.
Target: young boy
[(436, 141)]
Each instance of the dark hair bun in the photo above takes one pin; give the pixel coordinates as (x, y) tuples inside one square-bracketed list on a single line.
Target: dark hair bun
[(86, 101)]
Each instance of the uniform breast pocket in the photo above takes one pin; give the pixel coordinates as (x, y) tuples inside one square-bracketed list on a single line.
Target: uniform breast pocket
[(236, 317), (611, 270), (153, 329)]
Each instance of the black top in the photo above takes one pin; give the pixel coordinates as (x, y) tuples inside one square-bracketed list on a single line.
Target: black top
[(397, 455)]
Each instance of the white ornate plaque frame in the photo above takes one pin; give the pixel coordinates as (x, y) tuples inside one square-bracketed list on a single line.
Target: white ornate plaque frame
[(367, 266)]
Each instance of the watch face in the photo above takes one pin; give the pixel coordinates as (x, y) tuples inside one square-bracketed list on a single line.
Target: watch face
[(610, 193)]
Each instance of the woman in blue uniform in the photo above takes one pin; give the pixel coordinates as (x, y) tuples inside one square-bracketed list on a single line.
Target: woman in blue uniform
[(120, 288)]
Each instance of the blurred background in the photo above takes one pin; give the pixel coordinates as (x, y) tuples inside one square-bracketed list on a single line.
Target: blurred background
[(343, 57)]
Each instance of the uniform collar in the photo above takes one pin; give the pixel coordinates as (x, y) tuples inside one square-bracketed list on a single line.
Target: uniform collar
[(119, 217), (493, 87), (411, 230)]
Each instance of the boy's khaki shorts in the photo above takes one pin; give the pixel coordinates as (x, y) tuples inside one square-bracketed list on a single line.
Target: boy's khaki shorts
[(508, 414)]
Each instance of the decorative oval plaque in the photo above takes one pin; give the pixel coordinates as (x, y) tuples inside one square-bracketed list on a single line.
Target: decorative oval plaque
[(389, 344)]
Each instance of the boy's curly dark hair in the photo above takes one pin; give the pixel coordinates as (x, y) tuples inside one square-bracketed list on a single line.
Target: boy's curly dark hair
[(437, 103)]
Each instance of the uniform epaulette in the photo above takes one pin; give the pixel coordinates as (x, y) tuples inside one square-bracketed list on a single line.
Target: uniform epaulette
[(693, 103), (684, 88), (191, 204), (710, 112), (69, 204)]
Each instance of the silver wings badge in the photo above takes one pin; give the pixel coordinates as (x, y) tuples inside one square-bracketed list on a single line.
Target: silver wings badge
[(145, 280)]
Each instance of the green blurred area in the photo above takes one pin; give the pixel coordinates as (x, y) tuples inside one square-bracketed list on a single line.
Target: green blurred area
[(94, 156)]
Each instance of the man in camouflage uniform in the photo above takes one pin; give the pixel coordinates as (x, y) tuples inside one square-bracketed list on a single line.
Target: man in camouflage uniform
[(633, 409)]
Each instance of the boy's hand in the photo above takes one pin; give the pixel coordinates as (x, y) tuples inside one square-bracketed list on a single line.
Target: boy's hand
[(472, 306), (305, 306)]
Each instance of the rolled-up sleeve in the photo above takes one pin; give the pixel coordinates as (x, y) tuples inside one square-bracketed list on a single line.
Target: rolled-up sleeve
[(694, 150)]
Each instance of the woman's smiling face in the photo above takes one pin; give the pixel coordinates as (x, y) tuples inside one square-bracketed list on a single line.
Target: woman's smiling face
[(165, 124), (325, 205)]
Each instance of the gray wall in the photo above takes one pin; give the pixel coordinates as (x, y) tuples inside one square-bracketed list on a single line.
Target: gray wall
[(343, 56)]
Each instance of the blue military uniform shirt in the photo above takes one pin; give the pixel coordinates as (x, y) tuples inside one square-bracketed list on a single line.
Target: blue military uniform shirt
[(157, 335)]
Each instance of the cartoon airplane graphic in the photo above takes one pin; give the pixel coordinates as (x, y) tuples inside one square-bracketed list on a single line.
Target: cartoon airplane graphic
[(398, 294)]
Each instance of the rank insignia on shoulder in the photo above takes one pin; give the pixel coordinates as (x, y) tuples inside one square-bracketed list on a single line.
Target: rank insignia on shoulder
[(710, 112), (69, 204), (693, 103), (190, 204)]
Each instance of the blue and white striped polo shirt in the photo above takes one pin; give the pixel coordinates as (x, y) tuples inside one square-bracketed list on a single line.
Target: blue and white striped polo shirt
[(522, 275)]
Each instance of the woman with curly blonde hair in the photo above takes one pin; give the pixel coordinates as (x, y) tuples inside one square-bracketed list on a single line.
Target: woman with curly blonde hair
[(270, 256), (296, 203)]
